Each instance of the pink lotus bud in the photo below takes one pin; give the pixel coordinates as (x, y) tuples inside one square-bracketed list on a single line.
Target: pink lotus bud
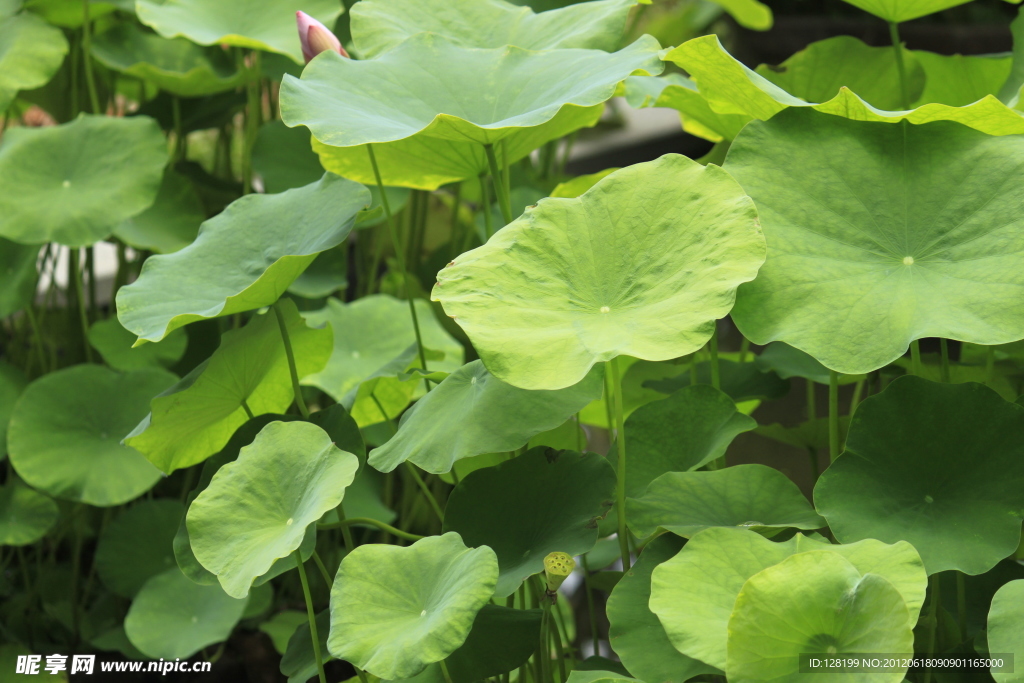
[(316, 37)]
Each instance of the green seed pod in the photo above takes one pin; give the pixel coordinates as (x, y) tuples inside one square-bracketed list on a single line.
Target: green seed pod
[(557, 567)]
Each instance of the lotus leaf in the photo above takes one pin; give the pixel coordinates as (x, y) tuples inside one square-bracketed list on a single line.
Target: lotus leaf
[(814, 602), (598, 676), (1006, 626), (137, 545), (675, 91), (472, 412), (1010, 90), (959, 80), (257, 508), (635, 376), (748, 13), (786, 362), (244, 258), (71, 183), (254, 24), (395, 610), (25, 515), (65, 432), (873, 245), (31, 51), (898, 11), (18, 277), (12, 383), (281, 626), (194, 419), (642, 264), (171, 223), (938, 465), (114, 343), (693, 593), (751, 496), (742, 382)]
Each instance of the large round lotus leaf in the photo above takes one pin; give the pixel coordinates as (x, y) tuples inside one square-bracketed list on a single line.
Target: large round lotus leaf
[(675, 91), (137, 545), (172, 617), (815, 603), (171, 223), (473, 412), (752, 496), (256, 509), (12, 383), (693, 593), (244, 258), (369, 334), (731, 88), (114, 343), (395, 610), (689, 429), (65, 433), (72, 183), (899, 11), (874, 245), (379, 25), (635, 633), (938, 465), (25, 515), (642, 264), (178, 66), (958, 80), (255, 24), (18, 277), (541, 502), (194, 419), (31, 51), (347, 102), (1006, 627)]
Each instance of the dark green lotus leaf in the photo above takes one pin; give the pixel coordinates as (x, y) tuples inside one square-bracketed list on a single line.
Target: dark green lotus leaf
[(740, 381), (12, 383), (598, 676), (786, 362), (472, 412), (810, 434), (256, 509), (899, 11), (635, 633), (31, 51), (395, 610), (814, 602), (195, 418), (380, 25), (327, 274), (938, 465), (960, 80), (283, 159), (114, 343), (540, 502), (693, 593), (18, 276), (731, 88), (635, 266), (25, 515), (1010, 90), (346, 102), (299, 660), (254, 24), (72, 183), (244, 258), (751, 496), (280, 627), (873, 245), (687, 430), (171, 223), (65, 432), (635, 393), (675, 91), (68, 13), (178, 66), (1006, 626), (137, 545), (172, 617), (978, 592)]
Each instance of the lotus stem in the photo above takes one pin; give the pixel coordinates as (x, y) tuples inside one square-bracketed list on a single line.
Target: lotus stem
[(500, 186), (346, 533), (426, 490), (858, 390), (716, 377), (620, 443), (990, 363), (299, 401), (90, 78), (833, 414), (944, 353), (312, 617), (744, 349), (961, 605), (323, 570), (75, 281), (247, 409), (444, 672), (915, 357), (812, 406), (352, 521), (933, 620), (894, 35), (594, 635)]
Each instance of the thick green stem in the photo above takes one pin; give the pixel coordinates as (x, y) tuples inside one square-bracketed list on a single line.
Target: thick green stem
[(933, 621), (454, 229), (833, 415), (961, 605), (944, 355), (346, 533), (915, 357), (990, 363), (858, 391), (716, 377), (247, 409), (253, 114), (500, 186), (901, 70), (312, 617), (485, 201), (620, 443), (323, 570), (75, 281), (744, 349), (296, 388), (444, 672), (426, 490), (595, 637), (352, 521), (90, 77), (812, 404)]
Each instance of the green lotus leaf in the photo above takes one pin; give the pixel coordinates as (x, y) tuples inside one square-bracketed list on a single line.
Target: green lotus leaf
[(873, 245), (71, 183), (280, 627), (194, 419), (395, 610), (172, 617), (31, 51), (742, 382), (380, 25), (369, 334), (598, 676), (257, 508), (815, 602), (687, 430), (636, 374), (254, 24), (540, 502), (1010, 90), (959, 80), (580, 184), (114, 343), (978, 592), (283, 159), (68, 13), (178, 66), (472, 412), (635, 266), (18, 277), (811, 434), (299, 660), (137, 544), (731, 88), (327, 274), (898, 11), (244, 258), (786, 362), (693, 593), (25, 515), (347, 102), (1006, 626), (675, 91), (12, 383), (938, 465), (171, 223), (749, 13), (635, 633), (752, 496), (65, 432)]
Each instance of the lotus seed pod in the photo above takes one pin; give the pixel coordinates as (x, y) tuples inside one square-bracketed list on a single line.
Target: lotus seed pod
[(557, 567)]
